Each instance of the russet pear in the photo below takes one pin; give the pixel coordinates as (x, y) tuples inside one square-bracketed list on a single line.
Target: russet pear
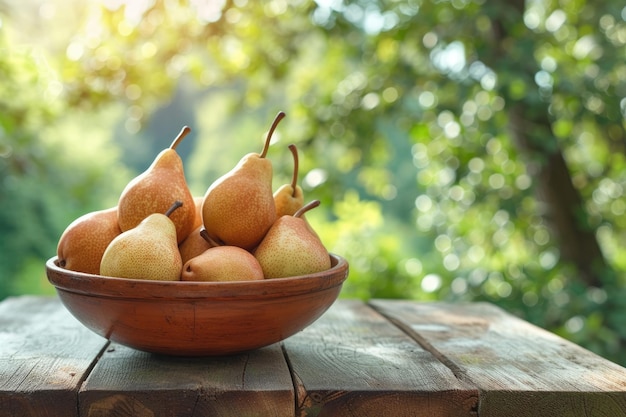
[(84, 240), (198, 200), (154, 190), (147, 251), (238, 208), (289, 198), (291, 248), (223, 263), (195, 244)]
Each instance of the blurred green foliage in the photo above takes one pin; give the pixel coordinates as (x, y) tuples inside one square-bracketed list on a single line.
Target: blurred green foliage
[(432, 131)]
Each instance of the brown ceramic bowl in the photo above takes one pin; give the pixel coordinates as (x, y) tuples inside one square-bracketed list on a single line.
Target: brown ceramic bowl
[(197, 318)]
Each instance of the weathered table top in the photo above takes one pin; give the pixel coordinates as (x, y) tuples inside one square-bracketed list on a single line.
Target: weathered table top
[(382, 358)]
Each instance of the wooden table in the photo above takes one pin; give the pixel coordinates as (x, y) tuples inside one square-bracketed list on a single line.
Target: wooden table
[(382, 358)]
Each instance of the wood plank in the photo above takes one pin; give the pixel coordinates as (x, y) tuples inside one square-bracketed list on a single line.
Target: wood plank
[(45, 354), (353, 362), (131, 383), (520, 369)]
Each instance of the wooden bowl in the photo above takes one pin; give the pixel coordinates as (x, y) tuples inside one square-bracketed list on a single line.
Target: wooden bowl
[(197, 318)]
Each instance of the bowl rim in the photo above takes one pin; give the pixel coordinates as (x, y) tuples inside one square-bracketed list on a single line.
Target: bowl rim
[(65, 280)]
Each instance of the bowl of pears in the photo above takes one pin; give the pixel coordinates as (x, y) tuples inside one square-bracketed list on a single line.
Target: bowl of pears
[(166, 272)]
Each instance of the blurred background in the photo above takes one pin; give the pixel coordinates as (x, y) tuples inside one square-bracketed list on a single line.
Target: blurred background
[(463, 150)]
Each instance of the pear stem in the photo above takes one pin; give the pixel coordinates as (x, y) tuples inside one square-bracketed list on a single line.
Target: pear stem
[(174, 206), (205, 235), (280, 116), (183, 132), (294, 178), (306, 208)]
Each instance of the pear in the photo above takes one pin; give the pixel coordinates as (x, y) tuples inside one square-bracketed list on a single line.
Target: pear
[(291, 248), (154, 190), (223, 263), (147, 251), (198, 200), (84, 240), (238, 207), (195, 244), (289, 198)]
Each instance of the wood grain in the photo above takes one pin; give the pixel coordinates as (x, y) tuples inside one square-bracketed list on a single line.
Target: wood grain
[(519, 368), (385, 358), (131, 383), (44, 356), (197, 318), (352, 362)]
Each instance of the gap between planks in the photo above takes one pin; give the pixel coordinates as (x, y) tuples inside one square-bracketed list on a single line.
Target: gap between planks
[(87, 372), (298, 391), (425, 344)]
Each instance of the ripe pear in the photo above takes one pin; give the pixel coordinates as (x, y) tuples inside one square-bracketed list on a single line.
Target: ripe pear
[(290, 248), (289, 198), (154, 190), (147, 251), (238, 208), (84, 240), (198, 200), (223, 263), (195, 244)]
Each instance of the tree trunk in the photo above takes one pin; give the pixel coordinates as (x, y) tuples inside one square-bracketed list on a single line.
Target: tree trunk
[(532, 132), (565, 212)]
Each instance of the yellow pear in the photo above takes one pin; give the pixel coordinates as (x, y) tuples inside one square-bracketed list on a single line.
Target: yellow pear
[(84, 240), (147, 251), (290, 248), (154, 190), (238, 207), (289, 198), (223, 263)]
